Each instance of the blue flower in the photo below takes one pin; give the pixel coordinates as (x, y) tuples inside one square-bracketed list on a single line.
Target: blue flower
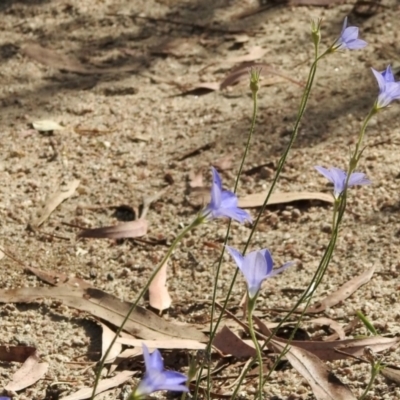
[(389, 90), (338, 177), (156, 378), (349, 38), (224, 203), (256, 267)]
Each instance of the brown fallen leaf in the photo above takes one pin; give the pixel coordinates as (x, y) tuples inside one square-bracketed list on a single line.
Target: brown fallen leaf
[(257, 199), (327, 351), (177, 47), (342, 293), (16, 353), (166, 344), (57, 60), (54, 200), (324, 384), (347, 329), (159, 297), (223, 163), (201, 196), (200, 88), (103, 385), (332, 324), (141, 323), (196, 178), (316, 3), (195, 151), (31, 371), (129, 229), (106, 338), (253, 54), (58, 278), (127, 353), (392, 374), (47, 126), (229, 343)]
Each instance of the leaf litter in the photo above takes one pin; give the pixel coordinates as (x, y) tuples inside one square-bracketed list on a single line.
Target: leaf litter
[(31, 371), (54, 200), (55, 61)]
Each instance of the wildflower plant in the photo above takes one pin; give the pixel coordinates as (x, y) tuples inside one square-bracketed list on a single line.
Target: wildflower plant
[(223, 203), (257, 266), (338, 178), (348, 39), (389, 89), (157, 378)]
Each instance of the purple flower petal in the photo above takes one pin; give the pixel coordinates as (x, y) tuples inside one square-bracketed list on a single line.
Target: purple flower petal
[(338, 177), (349, 38), (236, 255), (156, 378), (216, 189), (389, 90), (255, 267), (224, 203)]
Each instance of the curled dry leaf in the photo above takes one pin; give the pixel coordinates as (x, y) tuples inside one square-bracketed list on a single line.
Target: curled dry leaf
[(129, 229), (105, 384), (106, 339), (63, 62), (332, 324), (196, 178), (336, 350), (223, 163), (229, 343), (201, 196), (342, 293), (47, 126), (255, 53), (257, 199), (166, 344), (16, 353), (392, 374), (54, 200), (324, 384), (31, 371), (58, 278), (159, 297), (141, 323)]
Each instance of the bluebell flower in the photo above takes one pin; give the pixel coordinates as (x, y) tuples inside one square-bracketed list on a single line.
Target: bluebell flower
[(389, 90), (224, 203), (349, 38), (156, 378), (338, 177), (256, 267)]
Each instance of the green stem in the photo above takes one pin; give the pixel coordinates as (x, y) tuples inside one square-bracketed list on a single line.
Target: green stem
[(180, 236), (356, 154), (302, 108), (251, 305), (213, 330), (375, 368)]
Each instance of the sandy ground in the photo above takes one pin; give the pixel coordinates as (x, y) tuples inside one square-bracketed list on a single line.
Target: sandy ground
[(137, 127)]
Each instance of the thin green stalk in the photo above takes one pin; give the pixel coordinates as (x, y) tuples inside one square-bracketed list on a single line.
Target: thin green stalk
[(307, 295), (281, 163), (357, 153), (375, 368), (254, 79), (251, 305), (180, 236)]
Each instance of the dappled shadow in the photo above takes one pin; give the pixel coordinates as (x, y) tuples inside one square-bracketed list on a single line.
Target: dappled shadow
[(127, 52)]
